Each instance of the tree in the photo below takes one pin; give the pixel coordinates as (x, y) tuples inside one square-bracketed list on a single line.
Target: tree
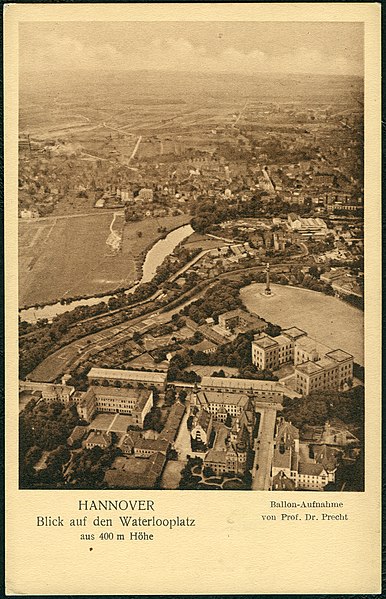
[(208, 472), (182, 395)]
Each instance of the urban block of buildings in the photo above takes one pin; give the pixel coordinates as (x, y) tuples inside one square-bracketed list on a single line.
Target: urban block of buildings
[(241, 320), (307, 227), (130, 402), (317, 366), (291, 470)]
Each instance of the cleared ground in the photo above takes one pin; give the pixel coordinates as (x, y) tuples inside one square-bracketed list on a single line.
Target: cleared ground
[(327, 319), (202, 241), (114, 423), (68, 257), (208, 370), (172, 474)]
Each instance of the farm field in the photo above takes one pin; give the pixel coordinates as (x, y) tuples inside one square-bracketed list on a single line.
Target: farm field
[(69, 257)]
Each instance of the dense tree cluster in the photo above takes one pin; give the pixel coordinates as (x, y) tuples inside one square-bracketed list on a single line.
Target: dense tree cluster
[(318, 407), (44, 427), (188, 479), (208, 213), (236, 354), (88, 467), (220, 298), (154, 420)]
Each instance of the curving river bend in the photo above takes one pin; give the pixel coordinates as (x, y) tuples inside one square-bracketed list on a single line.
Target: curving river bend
[(154, 258)]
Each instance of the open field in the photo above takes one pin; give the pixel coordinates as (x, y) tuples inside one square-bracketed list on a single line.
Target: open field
[(172, 474), (327, 319), (202, 241), (69, 257)]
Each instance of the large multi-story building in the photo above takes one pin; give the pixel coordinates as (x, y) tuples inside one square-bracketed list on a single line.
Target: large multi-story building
[(307, 227), (269, 353), (331, 371), (130, 402), (133, 378), (49, 392), (317, 366), (262, 390), (230, 450)]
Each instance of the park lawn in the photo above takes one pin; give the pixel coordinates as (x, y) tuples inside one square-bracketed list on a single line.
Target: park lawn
[(69, 257)]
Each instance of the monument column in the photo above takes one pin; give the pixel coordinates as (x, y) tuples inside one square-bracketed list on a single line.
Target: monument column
[(267, 287)]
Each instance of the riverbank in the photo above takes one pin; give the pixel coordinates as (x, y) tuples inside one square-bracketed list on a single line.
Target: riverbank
[(63, 261), (154, 258)]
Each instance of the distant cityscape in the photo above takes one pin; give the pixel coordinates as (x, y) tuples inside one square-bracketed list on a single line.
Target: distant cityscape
[(191, 281)]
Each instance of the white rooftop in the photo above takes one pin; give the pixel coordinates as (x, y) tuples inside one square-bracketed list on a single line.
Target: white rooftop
[(128, 375), (241, 384)]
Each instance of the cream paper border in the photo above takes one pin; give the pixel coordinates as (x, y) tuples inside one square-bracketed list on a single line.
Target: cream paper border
[(231, 550)]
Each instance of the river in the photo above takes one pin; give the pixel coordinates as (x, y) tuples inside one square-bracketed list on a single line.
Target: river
[(154, 258), (325, 318)]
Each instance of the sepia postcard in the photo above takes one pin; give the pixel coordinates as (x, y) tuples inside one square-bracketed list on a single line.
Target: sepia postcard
[(192, 256)]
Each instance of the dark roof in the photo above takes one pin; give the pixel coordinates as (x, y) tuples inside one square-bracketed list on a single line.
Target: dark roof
[(77, 434), (144, 474), (172, 424), (281, 482), (204, 419), (310, 469)]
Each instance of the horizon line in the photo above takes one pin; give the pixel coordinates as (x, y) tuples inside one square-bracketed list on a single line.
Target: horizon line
[(208, 73)]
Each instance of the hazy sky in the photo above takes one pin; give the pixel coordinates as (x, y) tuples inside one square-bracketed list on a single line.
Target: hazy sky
[(208, 47)]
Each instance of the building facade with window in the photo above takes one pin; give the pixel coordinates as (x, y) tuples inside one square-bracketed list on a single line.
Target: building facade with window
[(130, 402), (317, 366)]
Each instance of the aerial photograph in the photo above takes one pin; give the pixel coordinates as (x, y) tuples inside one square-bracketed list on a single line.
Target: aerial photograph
[(191, 255)]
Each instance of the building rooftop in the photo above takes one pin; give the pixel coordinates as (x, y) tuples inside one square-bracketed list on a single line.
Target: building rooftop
[(309, 344), (281, 339), (339, 355), (160, 445), (99, 438), (311, 469), (137, 473), (294, 332), (204, 420), (77, 433), (208, 397), (204, 345), (212, 382), (238, 313), (326, 363), (265, 341), (214, 455), (129, 440), (287, 429), (282, 460), (125, 392), (281, 482), (128, 375), (172, 424), (308, 368)]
